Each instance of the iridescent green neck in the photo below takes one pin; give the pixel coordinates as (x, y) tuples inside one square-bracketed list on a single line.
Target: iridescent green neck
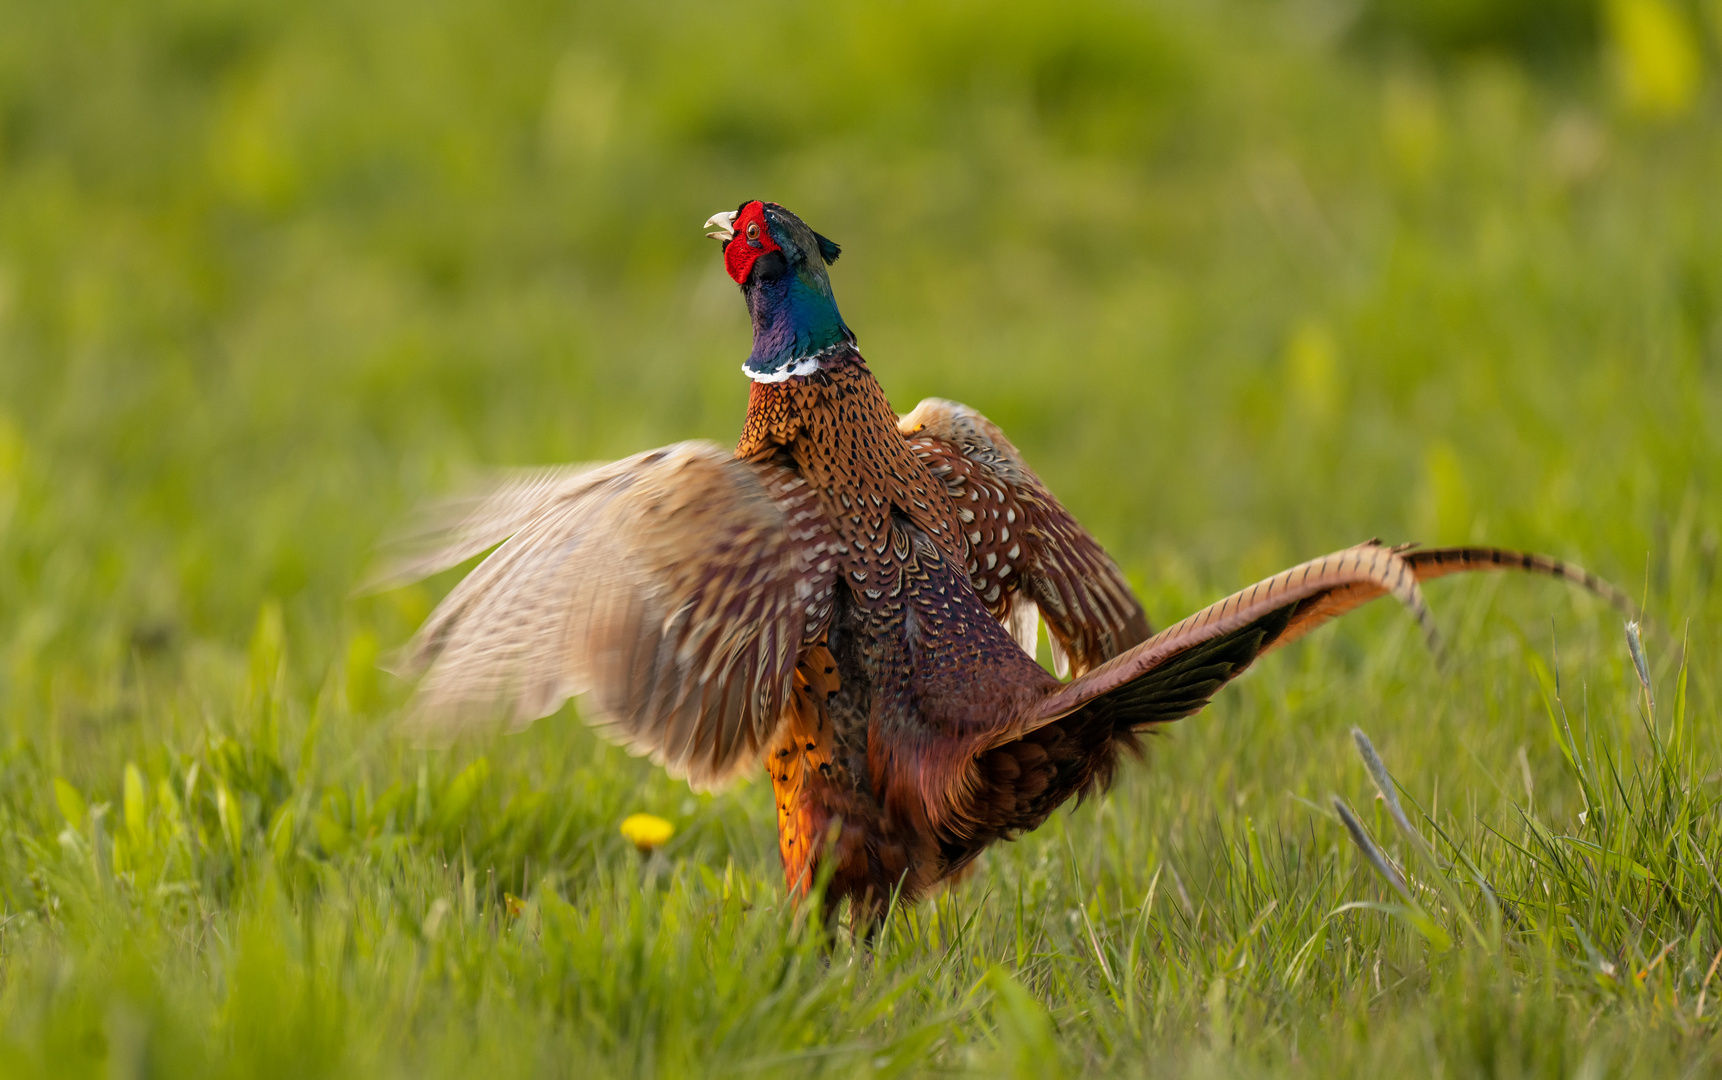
[(795, 324)]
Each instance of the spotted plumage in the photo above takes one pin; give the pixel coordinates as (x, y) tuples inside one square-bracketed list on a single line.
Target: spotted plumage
[(1027, 554), (850, 598)]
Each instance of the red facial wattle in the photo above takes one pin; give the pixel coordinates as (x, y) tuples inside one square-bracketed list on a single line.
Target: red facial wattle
[(740, 253)]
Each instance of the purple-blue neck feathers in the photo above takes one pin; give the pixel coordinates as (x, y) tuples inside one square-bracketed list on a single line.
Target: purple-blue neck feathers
[(795, 319)]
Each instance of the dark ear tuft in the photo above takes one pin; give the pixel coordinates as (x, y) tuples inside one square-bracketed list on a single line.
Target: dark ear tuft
[(828, 249)]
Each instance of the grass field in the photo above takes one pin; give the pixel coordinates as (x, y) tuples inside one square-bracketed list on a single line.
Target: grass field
[(1246, 281)]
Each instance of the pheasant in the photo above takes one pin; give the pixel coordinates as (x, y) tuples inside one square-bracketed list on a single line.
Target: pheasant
[(851, 599)]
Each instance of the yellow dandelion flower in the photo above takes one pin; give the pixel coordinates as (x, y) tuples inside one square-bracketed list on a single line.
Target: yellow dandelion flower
[(647, 831)]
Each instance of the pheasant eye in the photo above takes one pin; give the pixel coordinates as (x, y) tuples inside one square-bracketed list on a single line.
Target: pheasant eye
[(753, 230)]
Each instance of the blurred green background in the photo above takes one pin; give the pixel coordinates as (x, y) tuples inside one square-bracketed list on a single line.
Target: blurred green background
[(1246, 281)]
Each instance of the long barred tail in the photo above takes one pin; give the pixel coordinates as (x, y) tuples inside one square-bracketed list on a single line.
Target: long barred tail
[(1439, 562), (1175, 672), (1428, 563)]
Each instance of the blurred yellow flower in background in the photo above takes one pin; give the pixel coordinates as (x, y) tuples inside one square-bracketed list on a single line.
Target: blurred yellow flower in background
[(647, 831), (1656, 57)]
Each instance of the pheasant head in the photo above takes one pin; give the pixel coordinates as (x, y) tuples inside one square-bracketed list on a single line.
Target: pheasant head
[(780, 265)]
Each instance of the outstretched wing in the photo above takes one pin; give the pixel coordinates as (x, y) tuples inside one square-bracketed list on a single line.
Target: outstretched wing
[(674, 589), (1176, 672), (451, 530), (1024, 547)]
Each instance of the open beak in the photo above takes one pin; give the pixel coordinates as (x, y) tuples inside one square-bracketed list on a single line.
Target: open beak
[(722, 226)]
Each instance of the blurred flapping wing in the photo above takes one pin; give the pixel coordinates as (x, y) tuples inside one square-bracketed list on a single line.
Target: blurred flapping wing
[(674, 590), (1024, 547), (451, 530)]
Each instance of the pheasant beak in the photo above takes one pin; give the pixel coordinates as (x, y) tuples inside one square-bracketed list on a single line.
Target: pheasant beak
[(724, 226)]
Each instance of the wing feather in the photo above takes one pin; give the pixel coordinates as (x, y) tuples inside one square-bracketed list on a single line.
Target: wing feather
[(1024, 545), (450, 531), (1023, 621), (675, 590)]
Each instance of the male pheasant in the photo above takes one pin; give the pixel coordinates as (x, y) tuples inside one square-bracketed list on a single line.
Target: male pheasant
[(851, 599)]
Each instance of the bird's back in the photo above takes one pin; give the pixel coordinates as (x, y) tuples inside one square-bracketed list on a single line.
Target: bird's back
[(923, 674)]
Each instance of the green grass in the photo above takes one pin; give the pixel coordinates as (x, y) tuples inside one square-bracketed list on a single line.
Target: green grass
[(1245, 281)]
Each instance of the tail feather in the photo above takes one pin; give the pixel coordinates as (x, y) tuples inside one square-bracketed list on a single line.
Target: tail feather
[(1174, 673), (1372, 566), (1430, 563)]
